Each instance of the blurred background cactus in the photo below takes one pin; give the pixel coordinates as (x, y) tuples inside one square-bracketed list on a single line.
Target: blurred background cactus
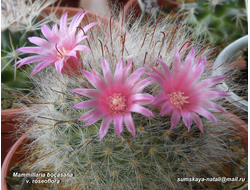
[(19, 20), (219, 21), (10, 76)]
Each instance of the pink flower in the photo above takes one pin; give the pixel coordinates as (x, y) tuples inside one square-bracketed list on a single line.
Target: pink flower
[(183, 94), (115, 97), (62, 48)]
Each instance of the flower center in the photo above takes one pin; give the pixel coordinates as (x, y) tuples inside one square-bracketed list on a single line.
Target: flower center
[(177, 98), (117, 103), (62, 52)]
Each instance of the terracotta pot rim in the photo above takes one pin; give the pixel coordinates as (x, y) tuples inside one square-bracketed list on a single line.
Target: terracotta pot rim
[(73, 9), (7, 161), (5, 114), (8, 111)]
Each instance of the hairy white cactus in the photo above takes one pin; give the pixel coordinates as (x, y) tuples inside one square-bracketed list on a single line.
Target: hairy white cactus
[(156, 157)]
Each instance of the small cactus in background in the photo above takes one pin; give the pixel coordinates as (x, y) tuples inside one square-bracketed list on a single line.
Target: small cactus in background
[(148, 153), (19, 21), (9, 55), (218, 21)]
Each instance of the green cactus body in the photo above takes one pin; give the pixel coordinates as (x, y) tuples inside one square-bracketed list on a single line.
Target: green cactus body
[(155, 159), (219, 20), (10, 76)]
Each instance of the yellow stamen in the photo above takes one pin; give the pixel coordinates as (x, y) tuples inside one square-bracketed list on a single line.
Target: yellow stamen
[(177, 99)]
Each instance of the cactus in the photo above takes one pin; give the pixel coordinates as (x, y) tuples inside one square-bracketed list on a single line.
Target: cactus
[(16, 27), (70, 156), (219, 20), (10, 77)]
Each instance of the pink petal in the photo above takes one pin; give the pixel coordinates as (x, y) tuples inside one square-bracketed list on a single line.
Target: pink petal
[(210, 82), (86, 115), (189, 61), (204, 113), (85, 104), (127, 69), (129, 123), (94, 80), (77, 19), (159, 99), (59, 66), (165, 76), (28, 60), (71, 53), (177, 62), (197, 120), (159, 72), (139, 86), (94, 117), (55, 30), (86, 92), (104, 126), (165, 68), (49, 34), (37, 50), (186, 117), (211, 94), (85, 29), (158, 79), (139, 109), (198, 71), (106, 71), (118, 71), (212, 105), (199, 61), (141, 99), (96, 73), (118, 123), (40, 66), (81, 48), (73, 63), (166, 109), (175, 119), (63, 25), (81, 39), (40, 42)]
